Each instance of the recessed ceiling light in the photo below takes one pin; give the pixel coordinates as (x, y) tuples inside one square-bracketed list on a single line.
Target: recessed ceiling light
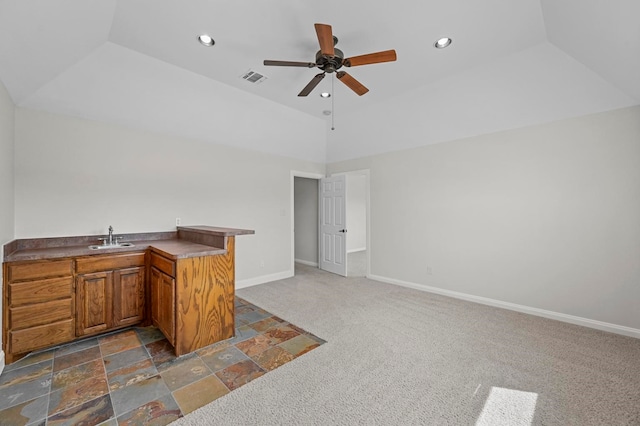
[(206, 40), (325, 95), (442, 42)]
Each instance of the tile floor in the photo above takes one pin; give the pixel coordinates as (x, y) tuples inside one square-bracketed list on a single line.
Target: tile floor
[(131, 377)]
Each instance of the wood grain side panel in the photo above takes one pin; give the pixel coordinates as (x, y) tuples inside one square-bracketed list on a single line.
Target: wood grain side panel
[(39, 291), (40, 336), (205, 290), (109, 262), (39, 269), (40, 314)]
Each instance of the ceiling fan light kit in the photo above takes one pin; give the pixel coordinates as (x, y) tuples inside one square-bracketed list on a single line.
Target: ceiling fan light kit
[(329, 59)]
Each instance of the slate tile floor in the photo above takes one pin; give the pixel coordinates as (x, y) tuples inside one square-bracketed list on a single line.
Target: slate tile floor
[(132, 377)]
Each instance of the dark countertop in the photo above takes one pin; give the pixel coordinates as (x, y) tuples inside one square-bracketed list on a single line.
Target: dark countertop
[(174, 245), (213, 230), (180, 249)]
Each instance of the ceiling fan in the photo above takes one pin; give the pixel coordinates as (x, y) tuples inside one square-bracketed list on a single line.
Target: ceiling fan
[(329, 60)]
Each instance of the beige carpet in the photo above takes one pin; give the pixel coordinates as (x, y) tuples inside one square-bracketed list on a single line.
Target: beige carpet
[(397, 356)]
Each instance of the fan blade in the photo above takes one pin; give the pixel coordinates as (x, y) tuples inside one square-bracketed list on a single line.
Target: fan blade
[(351, 83), (312, 84), (371, 58), (325, 38), (289, 64)]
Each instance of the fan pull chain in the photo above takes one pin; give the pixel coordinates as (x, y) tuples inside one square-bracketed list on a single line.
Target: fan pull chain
[(333, 96)]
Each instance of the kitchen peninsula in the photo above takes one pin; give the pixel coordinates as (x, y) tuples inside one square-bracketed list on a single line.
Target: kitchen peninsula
[(57, 290)]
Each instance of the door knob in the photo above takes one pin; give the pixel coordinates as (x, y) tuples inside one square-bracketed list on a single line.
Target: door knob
[(342, 230)]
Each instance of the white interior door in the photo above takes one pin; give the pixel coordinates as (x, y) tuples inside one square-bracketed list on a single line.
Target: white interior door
[(333, 225)]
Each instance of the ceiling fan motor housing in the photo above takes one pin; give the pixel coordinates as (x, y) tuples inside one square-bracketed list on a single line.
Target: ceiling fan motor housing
[(330, 63)]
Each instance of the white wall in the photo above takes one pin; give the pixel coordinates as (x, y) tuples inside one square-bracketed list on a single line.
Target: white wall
[(7, 221), (115, 84), (546, 216), (356, 212), (489, 97), (76, 177), (306, 220)]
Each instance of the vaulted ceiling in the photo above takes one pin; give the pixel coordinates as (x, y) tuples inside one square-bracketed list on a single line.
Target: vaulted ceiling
[(137, 62)]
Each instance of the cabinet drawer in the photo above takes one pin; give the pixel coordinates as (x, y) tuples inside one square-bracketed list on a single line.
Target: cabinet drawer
[(41, 269), (163, 264), (106, 263), (40, 314), (40, 291), (41, 336)]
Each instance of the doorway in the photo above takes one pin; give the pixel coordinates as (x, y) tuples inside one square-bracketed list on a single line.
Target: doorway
[(305, 220), (306, 217)]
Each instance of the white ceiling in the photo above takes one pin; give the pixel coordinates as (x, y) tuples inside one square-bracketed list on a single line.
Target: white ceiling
[(137, 62)]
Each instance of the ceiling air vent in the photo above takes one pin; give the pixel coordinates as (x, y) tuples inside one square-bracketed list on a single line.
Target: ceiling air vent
[(253, 77)]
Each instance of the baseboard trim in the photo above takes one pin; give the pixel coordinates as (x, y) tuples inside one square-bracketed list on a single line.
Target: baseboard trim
[(586, 322), (306, 262), (1, 361), (356, 250), (250, 282)]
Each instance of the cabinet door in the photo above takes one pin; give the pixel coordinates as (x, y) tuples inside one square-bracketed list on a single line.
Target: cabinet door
[(93, 302), (167, 307), (128, 296), (155, 281), (163, 298)]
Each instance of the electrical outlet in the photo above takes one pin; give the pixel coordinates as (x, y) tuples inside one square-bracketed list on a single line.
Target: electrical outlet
[(262, 263), (177, 221), (429, 270)]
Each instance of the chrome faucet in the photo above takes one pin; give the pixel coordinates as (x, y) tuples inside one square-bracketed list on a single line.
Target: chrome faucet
[(110, 235)]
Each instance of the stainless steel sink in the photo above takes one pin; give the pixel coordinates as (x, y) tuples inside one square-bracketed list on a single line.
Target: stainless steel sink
[(110, 246)]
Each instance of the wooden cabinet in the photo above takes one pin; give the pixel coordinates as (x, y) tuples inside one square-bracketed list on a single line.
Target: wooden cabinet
[(184, 286), (109, 292), (38, 305), (193, 298), (49, 302)]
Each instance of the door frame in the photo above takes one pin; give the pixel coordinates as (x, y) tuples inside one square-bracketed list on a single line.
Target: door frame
[(318, 176), (295, 174)]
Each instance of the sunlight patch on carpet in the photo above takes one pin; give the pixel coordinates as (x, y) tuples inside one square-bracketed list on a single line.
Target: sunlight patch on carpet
[(508, 407)]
